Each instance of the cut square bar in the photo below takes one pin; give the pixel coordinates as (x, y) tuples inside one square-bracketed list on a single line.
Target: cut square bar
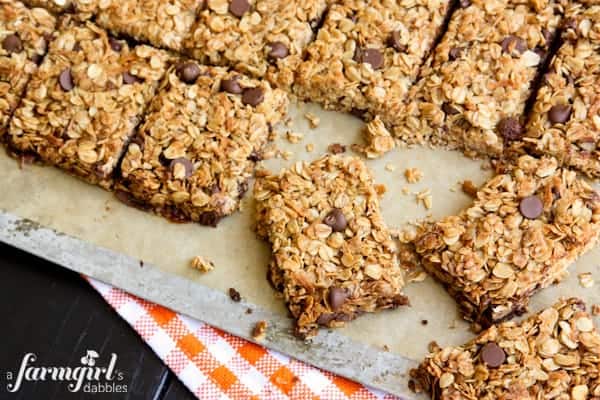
[(333, 256), (526, 226), (197, 148), (83, 103)]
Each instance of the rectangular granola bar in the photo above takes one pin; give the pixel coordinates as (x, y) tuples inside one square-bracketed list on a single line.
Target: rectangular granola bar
[(24, 34), (565, 120), (257, 37), (196, 150), (526, 226), (82, 104), (368, 54), (162, 23), (471, 94), (333, 256), (555, 354)]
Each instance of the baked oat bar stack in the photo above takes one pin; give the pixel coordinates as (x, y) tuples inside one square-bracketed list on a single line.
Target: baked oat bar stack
[(472, 92), (525, 228), (555, 354), (565, 120), (257, 37), (196, 150), (368, 54), (333, 256), (85, 100), (24, 35)]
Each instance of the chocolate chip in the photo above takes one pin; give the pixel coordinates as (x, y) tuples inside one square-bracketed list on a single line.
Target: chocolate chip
[(492, 355), (455, 53), (337, 297), (235, 295), (255, 156), (510, 128), (37, 58), (189, 72), (512, 42), (336, 220), (395, 41), (12, 44), (209, 218), (130, 79), (239, 7), (188, 168), (325, 319), (464, 3), (65, 80), (449, 109), (253, 96), (531, 207), (115, 44), (560, 113), (369, 56), (278, 50), (231, 85)]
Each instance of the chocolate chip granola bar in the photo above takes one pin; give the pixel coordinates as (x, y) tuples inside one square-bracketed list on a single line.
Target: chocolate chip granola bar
[(473, 90), (565, 120), (83, 103), (555, 354), (525, 228), (333, 256), (197, 148), (160, 22), (24, 35), (257, 37), (368, 53)]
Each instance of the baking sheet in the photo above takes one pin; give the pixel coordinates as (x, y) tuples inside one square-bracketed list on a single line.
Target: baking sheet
[(385, 344)]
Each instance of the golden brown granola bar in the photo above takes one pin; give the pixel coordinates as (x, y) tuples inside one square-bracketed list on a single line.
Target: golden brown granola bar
[(555, 354), (24, 34), (163, 23), (368, 54), (82, 104), (257, 37), (565, 120), (197, 148), (472, 92), (526, 226), (333, 256)]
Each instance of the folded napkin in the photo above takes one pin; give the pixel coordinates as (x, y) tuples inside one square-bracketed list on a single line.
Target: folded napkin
[(216, 365)]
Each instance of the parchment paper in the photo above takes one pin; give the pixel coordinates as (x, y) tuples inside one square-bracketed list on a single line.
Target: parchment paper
[(56, 200)]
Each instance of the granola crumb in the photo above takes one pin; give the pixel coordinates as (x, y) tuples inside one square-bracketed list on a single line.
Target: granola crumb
[(201, 264), (336, 148), (433, 346), (379, 139), (286, 155), (595, 310), (386, 347), (289, 123), (586, 280), (313, 120), (249, 311), (405, 191), (413, 175), (469, 188), (380, 189), (390, 167), (235, 295), (294, 137), (416, 276), (259, 331), (425, 197), (310, 147)]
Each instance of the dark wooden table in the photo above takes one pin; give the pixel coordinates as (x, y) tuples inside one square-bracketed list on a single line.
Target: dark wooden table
[(55, 314)]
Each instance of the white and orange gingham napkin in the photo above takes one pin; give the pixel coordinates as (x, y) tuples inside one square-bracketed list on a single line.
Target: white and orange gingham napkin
[(216, 365)]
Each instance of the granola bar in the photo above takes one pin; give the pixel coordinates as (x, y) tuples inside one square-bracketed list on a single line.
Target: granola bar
[(526, 226), (555, 354), (368, 54), (257, 37), (83, 103), (333, 256), (162, 23), (24, 34), (83, 9), (472, 93), (197, 148), (565, 120)]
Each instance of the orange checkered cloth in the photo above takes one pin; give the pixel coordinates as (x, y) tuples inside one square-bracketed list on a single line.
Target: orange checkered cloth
[(216, 365)]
